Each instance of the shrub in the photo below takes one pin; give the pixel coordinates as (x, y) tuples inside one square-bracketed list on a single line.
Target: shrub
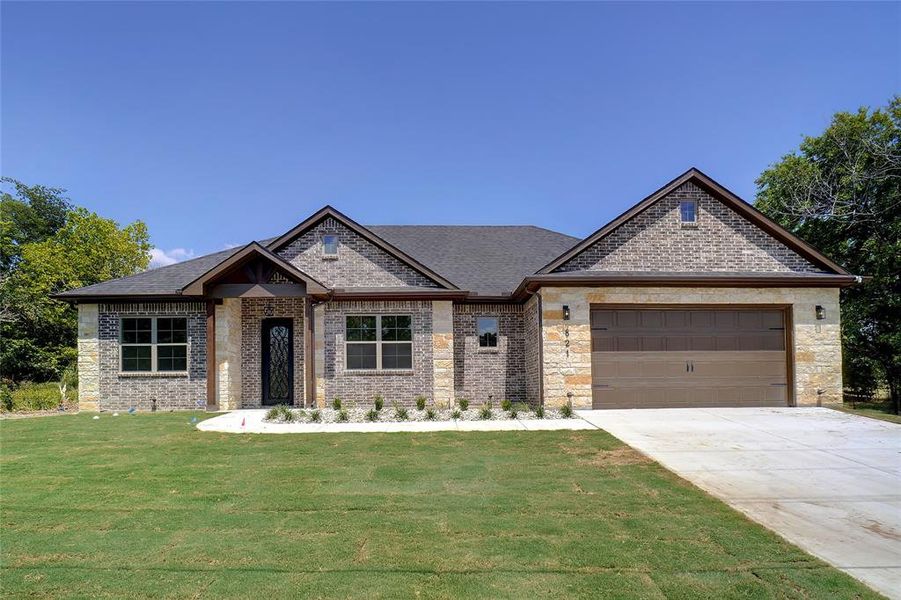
[(400, 413), (6, 398), (379, 402), (539, 411), (456, 415), (485, 412), (566, 411), (336, 403), (372, 415), (430, 414), (342, 416), (315, 416), (464, 403), (35, 396), (506, 405), (420, 402), (280, 413), (513, 413)]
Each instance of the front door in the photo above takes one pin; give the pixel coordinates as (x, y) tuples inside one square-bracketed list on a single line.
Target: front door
[(278, 361)]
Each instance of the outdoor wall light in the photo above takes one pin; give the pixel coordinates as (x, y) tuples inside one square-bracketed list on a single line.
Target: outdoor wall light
[(821, 313), (566, 312)]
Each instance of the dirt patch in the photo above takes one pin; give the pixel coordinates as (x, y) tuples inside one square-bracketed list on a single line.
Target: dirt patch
[(362, 554), (881, 530), (37, 413), (618, 457)]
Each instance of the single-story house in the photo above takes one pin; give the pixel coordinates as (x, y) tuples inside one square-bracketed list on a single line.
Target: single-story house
[(689, 298)]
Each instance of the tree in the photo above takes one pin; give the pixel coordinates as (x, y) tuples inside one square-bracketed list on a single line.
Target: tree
[(842, 192), (44, 254)]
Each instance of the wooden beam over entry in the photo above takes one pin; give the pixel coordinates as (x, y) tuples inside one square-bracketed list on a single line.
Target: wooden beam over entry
[(258, 290), (210, 354)]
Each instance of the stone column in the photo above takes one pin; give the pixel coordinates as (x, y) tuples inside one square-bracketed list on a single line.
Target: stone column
[(566, 370), (319, 354), (228, 354), (88, 357), (817, 348), (443, 352)]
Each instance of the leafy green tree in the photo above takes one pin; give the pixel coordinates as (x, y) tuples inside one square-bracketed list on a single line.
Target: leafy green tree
[(47, 257), (34, 214), (842, 192)]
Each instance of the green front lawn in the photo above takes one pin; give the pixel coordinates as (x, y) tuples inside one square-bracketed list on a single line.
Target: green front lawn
[(877, 409), (146, 506)]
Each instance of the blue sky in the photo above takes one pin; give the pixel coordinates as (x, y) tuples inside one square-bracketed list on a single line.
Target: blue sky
[(221, 123)]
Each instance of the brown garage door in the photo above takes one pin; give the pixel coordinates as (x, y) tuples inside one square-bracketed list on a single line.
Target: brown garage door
[(653, 358)]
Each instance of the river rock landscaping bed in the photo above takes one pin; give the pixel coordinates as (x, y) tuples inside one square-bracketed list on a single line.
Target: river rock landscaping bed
[(286, 414)]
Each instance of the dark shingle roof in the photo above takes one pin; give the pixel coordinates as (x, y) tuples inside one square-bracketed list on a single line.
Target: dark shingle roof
[(488, 260)]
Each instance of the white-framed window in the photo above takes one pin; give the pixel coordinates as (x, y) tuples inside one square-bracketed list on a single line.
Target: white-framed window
[(381, 342), (487, 330), (688, 212), (151, 344), (330, 246)]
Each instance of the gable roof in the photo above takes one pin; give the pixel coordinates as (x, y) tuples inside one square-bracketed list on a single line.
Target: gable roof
[(488, 260), (719, 193), (248, 252), (329, 212)]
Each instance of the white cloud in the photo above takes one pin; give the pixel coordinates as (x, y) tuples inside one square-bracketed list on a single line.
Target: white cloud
[(162, 258)]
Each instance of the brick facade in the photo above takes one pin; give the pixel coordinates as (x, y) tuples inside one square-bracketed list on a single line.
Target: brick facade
[(722, 240), (121, 391), (253, 311), (360, 263), (496, 372), (361, 386)]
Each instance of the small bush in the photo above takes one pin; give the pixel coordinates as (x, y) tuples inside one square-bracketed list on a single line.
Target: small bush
[(372, 415), (379, 402), (464, 403), (420, 402), (315, 416), (6, 398), (506, 405), (280, 413), (35, 396), (430, 414), (513, 413), (401, 414), (456, 415), (342, 416), (485, 412), (566, 411), (336, 403), (539, 411)]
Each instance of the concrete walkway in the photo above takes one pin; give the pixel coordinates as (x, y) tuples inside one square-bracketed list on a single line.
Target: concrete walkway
[(827, 481), (252, 420)]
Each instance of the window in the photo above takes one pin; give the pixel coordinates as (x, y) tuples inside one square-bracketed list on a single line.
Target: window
[(379, 342), (487, 328), (151, 344), (330, 245), (689, 211)]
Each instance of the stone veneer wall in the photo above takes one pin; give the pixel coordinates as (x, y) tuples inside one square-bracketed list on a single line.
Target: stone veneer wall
[(443, 352), (495, 372), (656, 240), (228, 354), (121, 391), (531, 320), (361, 386), (253, 311), (816, 344), (88, 357), (359, 263)]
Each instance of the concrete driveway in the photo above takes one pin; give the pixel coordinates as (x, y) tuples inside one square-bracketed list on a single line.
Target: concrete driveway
[(824, 480)]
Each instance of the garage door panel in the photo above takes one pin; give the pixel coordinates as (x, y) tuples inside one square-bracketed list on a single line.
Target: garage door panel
[(684, 358)]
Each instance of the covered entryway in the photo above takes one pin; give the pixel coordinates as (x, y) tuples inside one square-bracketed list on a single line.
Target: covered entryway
[(678, 357)]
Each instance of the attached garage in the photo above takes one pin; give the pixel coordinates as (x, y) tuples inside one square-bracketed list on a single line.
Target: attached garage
[(679, 357)]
